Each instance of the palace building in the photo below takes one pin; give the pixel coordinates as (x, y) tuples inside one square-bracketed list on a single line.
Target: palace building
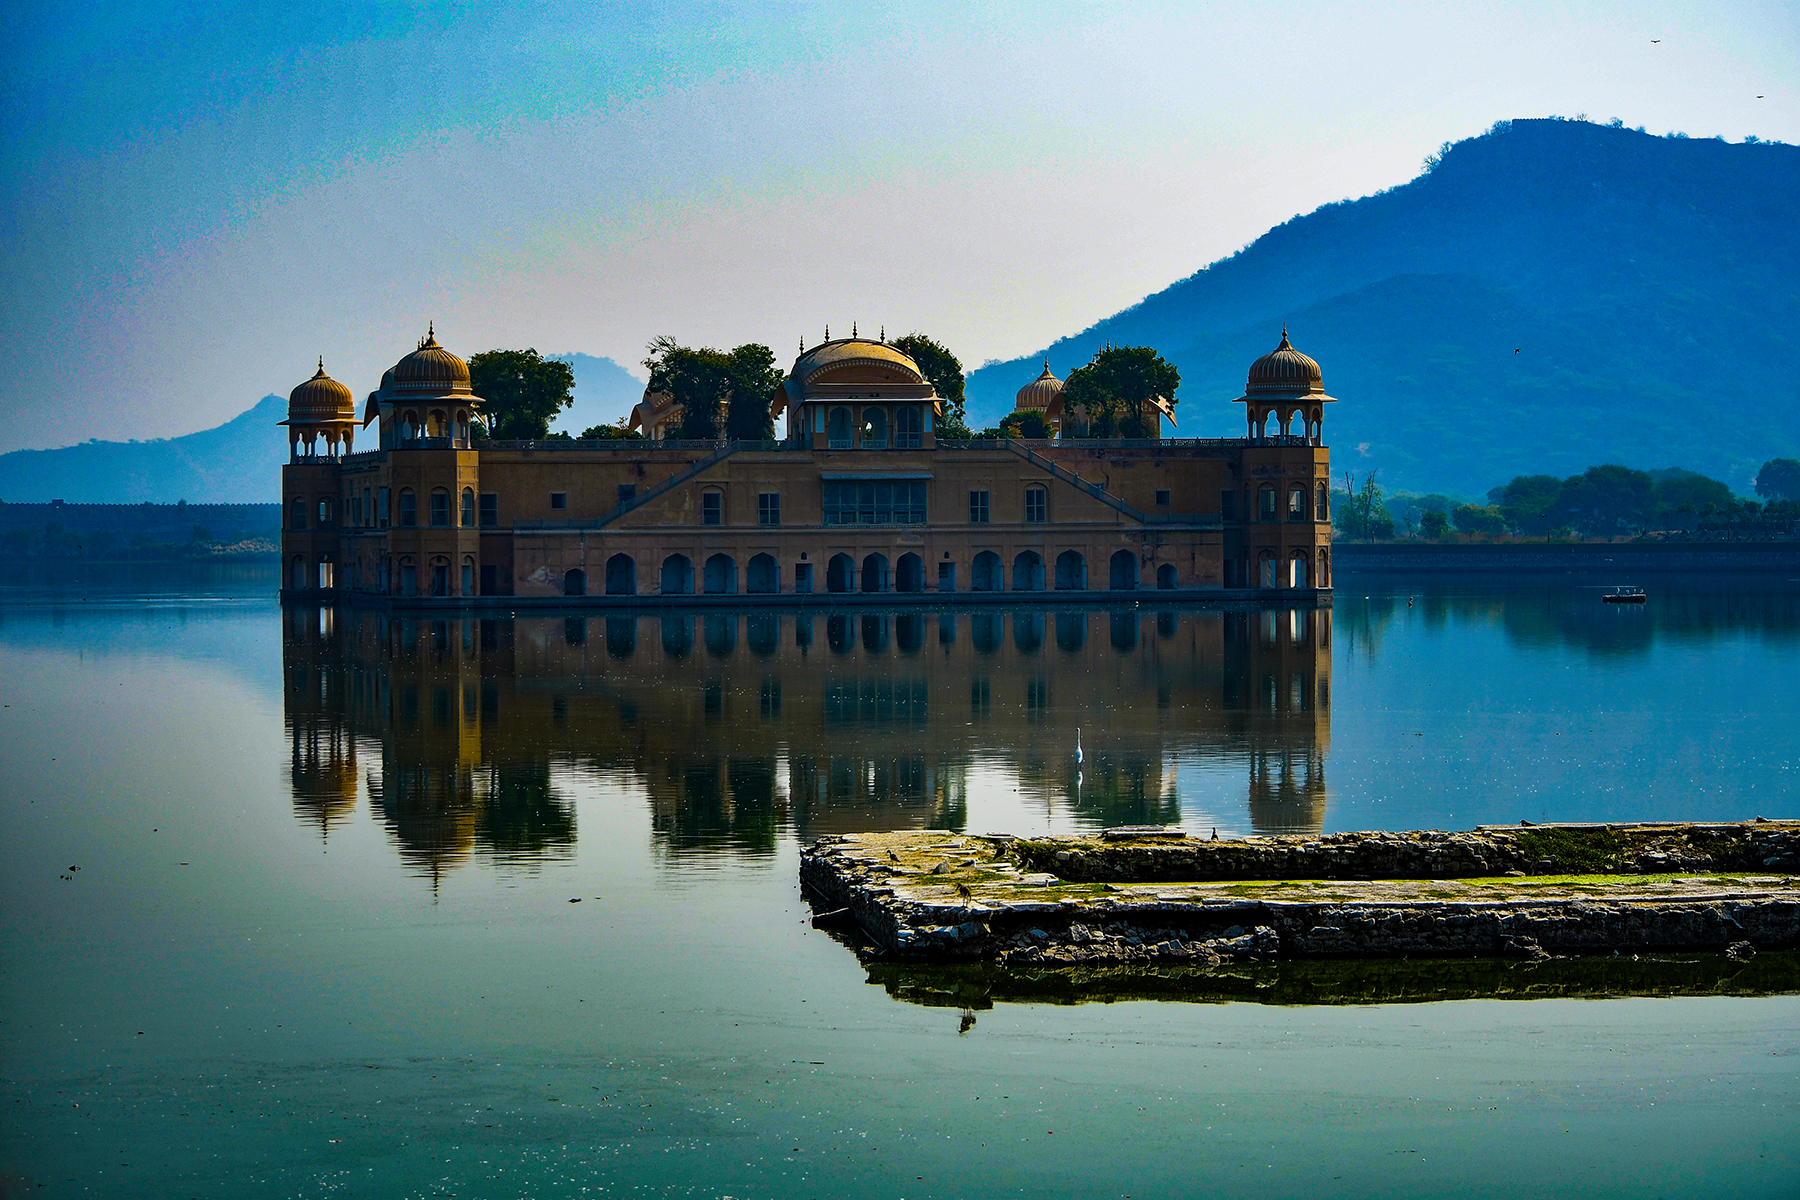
[(860, 497)]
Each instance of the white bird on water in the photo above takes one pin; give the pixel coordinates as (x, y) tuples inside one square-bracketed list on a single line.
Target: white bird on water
[(1078, 745)]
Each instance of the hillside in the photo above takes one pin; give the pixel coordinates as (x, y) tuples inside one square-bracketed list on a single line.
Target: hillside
[(239, 462), (235, 463), (1632, 273)]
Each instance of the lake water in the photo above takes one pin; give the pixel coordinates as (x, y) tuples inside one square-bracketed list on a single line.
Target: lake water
[(335, 904)]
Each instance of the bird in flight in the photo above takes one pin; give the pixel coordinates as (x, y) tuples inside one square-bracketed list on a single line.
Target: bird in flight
[(1654, 41), (1517, 349)]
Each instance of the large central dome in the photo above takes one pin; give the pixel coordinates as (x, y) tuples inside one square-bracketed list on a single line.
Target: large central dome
[(430, 370), (1284, 371)]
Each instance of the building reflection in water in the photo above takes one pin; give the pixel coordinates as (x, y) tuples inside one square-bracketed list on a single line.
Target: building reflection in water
[(741, 728)]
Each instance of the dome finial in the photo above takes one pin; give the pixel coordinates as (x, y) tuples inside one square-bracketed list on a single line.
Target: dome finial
[(828, 333), (853, 331), (884, 335)]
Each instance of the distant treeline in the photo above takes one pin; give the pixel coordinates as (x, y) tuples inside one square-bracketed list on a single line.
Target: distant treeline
[(1606, 501), (145, 532)]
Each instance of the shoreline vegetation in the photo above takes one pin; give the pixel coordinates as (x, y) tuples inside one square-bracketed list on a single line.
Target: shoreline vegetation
[(161, 533), (1605, 505)]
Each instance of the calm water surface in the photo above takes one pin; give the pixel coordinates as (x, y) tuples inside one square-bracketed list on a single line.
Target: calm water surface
[(290, 898)]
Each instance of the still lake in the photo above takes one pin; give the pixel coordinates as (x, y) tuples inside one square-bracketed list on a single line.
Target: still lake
[(329, 903)]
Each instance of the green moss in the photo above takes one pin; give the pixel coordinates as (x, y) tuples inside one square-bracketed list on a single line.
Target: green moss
[(1578, 851)]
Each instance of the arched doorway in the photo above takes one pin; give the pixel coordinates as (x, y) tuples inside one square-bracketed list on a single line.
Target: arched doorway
[(1071, 572), (840, 573), (1122, 572), (1265, 569), (677, 576), (1324, 569), (1299, 570), (909, 574), (984, 572), (1165, 577), (720, 575), (1028, 572), (762, 574), (575, 582), (875, 571), (621, 575)]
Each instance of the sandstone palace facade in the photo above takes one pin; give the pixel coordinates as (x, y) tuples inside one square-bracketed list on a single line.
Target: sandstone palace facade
[(860, 498)]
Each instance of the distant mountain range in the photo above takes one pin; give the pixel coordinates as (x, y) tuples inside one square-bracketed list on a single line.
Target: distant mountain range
[(239, 462), (1548, 296)]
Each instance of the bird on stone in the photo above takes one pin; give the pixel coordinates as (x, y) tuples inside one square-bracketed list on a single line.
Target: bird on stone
[(1078, 745)]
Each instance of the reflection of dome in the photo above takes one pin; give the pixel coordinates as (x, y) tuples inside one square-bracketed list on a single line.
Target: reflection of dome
[(1286, 371), (320, 399), (1040, 394), (430, 370)]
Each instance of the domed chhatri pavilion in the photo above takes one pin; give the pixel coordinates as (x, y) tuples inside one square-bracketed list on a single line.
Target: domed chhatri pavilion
[(860, 496)]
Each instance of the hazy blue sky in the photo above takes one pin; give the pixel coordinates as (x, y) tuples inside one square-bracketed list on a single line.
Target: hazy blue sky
[(200, 199)]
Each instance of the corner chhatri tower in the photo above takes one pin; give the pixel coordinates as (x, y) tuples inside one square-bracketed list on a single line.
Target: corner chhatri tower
[(861, 497)]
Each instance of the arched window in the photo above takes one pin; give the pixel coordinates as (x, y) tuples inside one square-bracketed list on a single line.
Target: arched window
[(1165, 577), (299, 573), (409, 508), (712, 507), (874, 429), (409, 576), (1324, 568), (1071, 571), (1122, 572), (838, 435), (621, 575), (440, 576), (1322, 505), (908, 428), (575, 582), (1265, 509), (468, 507), (297, 519), (325, 512), (468, 575), (440, 508), (409, 426), (1028, 572), (1300, 570), (436, 424), (1297, 507), (1265, 569)]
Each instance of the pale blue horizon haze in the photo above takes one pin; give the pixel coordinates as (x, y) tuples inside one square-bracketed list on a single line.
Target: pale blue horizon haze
[(201, 200)]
